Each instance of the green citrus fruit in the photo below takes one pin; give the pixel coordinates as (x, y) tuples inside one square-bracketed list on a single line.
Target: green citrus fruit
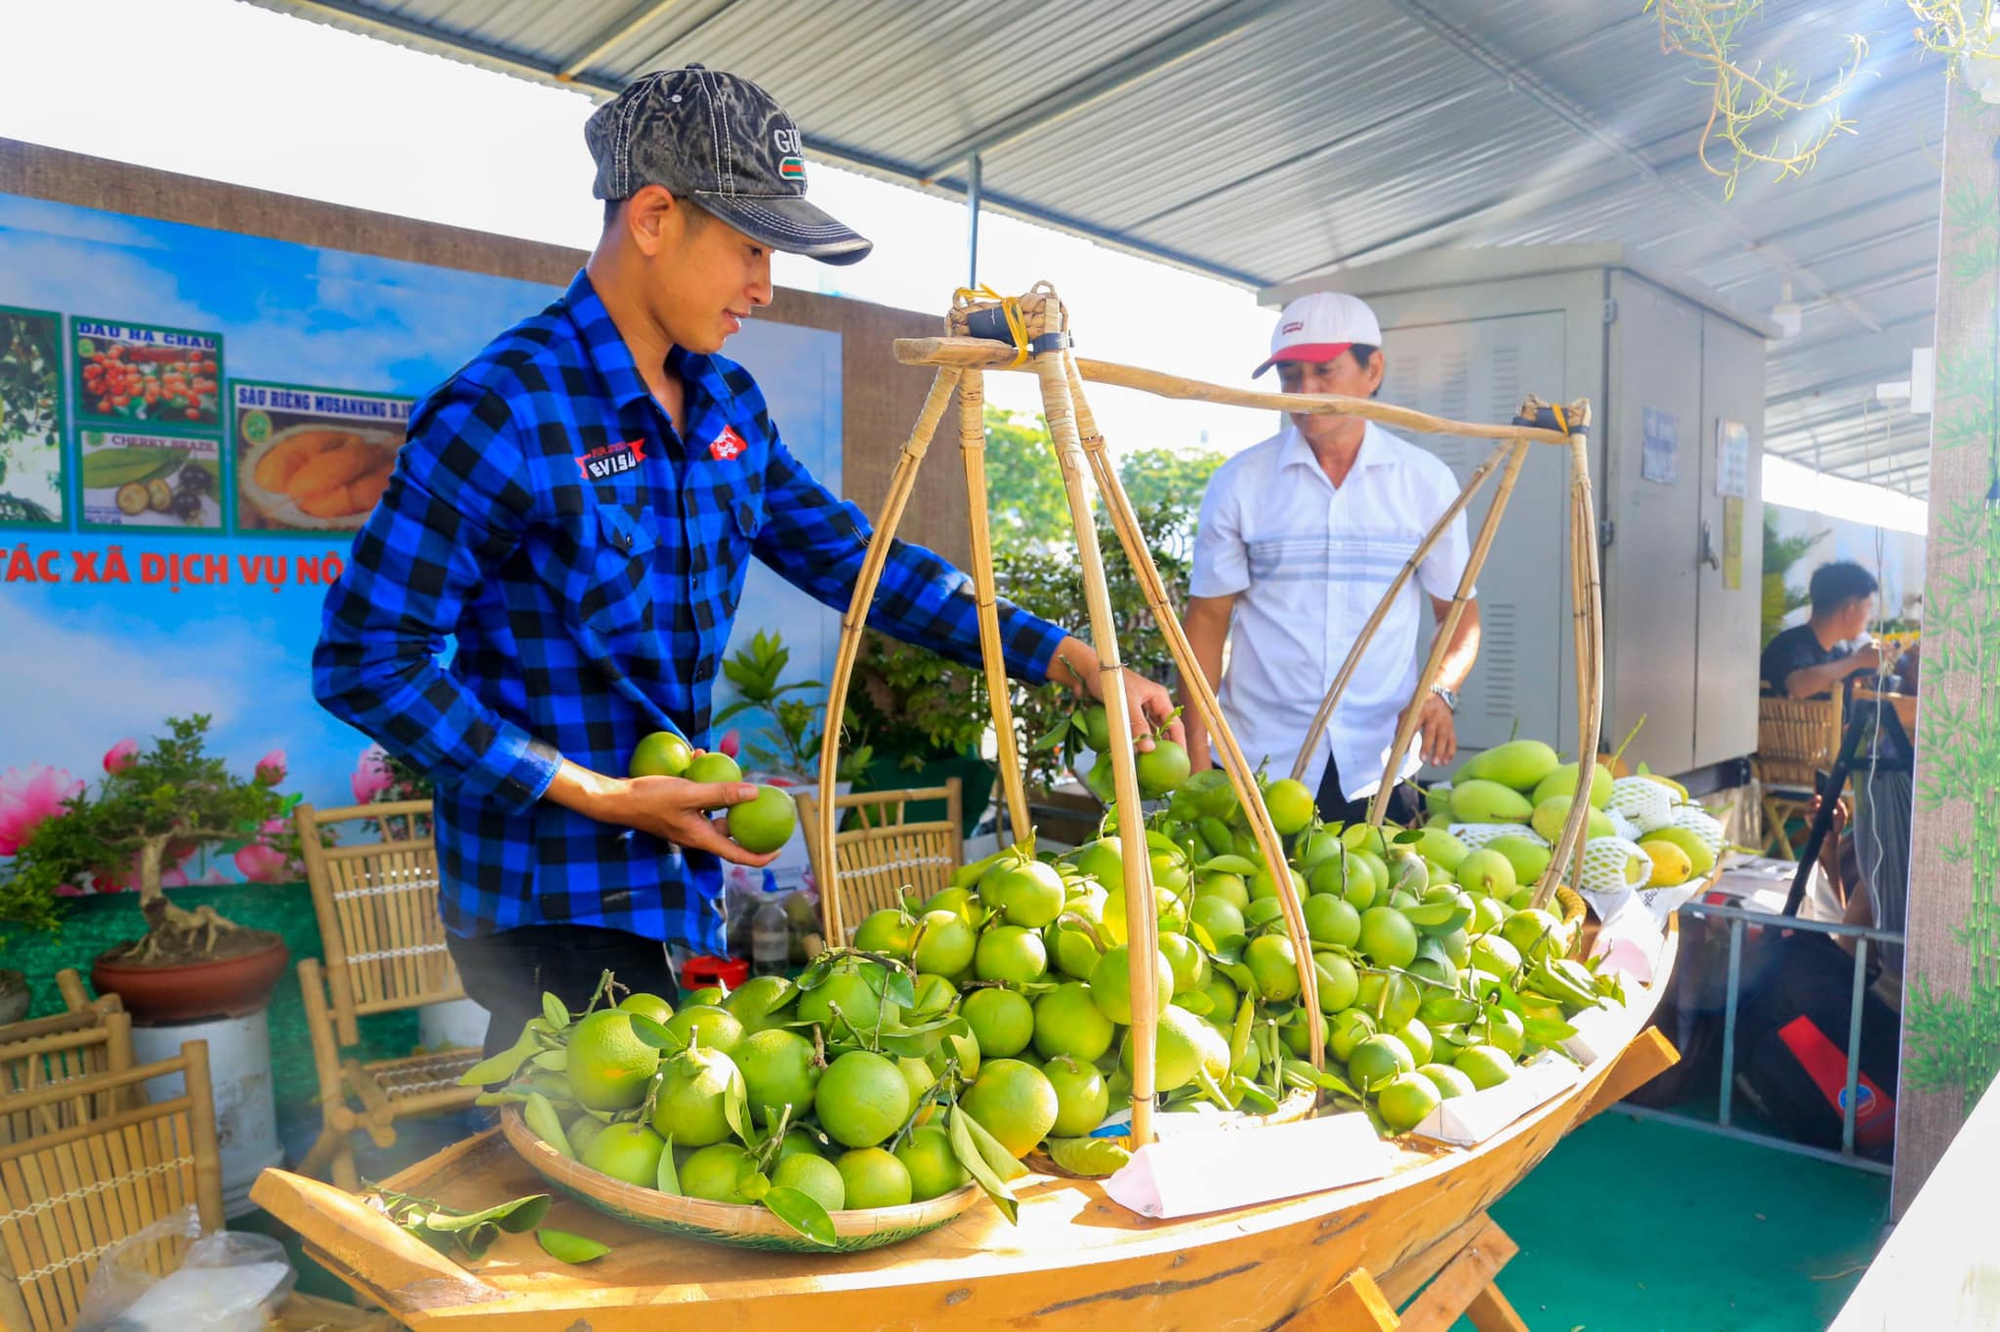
[(1379, 1057), (1339, 983), (1082, 1099), (630, 1152), (1493, 954), (609, 1065), (713, 766), (1485, 1065), (892, 932), (1274, 965), (719, 1172), (935, 996), (1290, 805), (1096, 728), (1111, 983), (778, 1070), (694, 1086), (918, 1075), (1407, 1101), (764, 823), (1505, 1032), (1029, 895), (1346, 1030), (1488, 913), (1217, 916), (1418, 1037), (1315, 849), (708, 1026), (1181, 1047), (1231, 888), (799, 1140), (932, 1165), (1535, 934), (661, 754), (814, 1176), (1330, 920), (1002, 1021), (1162, 769), (1224, 997), (873, 1178), (1393, 998), (1010, 953), (863, 1098), (1340, 872), (761, 1002), (1069, 1022), (1189, 963), (1013, 1101), (1072, 951), (712, 995), (1487, 871), (581, 1132), (1448, 1080), (849, 991), (945, 943), (1387, 937), (649, 1005), (1102, 860)]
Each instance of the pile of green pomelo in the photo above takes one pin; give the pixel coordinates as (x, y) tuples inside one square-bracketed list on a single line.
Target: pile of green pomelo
[(960, 1033)]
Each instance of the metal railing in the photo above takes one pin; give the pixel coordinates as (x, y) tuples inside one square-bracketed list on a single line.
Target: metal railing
[(1740, 920)]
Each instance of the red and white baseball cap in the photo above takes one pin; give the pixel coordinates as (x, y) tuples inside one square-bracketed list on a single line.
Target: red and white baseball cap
[(1320, 327)]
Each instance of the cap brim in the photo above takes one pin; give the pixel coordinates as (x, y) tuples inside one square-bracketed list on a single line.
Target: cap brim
[(790, 224), (1314, 352)]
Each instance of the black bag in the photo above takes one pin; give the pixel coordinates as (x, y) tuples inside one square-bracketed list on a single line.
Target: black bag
[(1791, 1044)]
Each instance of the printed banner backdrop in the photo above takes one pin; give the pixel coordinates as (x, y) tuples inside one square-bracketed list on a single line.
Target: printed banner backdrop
[(192, 425)]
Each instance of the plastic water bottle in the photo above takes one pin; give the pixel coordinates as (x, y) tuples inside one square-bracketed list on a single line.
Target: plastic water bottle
[(770, 931)]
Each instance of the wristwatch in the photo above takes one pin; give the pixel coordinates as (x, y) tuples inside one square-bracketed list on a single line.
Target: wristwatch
[(1449, 696)]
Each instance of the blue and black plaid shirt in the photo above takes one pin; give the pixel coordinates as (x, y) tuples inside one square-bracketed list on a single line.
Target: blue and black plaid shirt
[(589, 561)]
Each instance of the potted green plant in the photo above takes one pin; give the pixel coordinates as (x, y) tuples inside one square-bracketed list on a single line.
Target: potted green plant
[(153, 809), (787, 747)]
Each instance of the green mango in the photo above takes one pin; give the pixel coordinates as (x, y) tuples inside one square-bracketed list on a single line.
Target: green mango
[(1481, 801), (1528, 857), (1563, 782), (1519, 764), (1551, 814)]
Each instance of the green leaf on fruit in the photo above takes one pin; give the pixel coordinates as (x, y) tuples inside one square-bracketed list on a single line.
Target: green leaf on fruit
[(802, 1212), (966, 1149), (1547, 1031), (1228, 864)]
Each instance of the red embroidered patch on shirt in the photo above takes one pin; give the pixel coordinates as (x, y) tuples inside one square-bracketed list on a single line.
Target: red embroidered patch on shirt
[(728, 445), (602, 463)]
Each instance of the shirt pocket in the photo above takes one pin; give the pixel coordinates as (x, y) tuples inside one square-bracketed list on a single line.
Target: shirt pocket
[(616, 595)]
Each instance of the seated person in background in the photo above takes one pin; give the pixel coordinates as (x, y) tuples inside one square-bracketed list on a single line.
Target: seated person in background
[(1814, 658)]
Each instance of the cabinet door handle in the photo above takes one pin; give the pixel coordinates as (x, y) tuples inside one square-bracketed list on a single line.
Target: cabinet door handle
[(1709, 555)]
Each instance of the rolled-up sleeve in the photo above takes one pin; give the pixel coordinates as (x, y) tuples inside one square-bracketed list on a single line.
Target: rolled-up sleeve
[(817, 542), (454, 510)]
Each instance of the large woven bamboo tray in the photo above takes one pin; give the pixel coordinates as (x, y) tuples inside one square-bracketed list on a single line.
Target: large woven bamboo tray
[(1075, 1260)]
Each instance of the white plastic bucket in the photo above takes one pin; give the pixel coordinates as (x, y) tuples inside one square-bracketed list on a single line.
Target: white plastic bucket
[(246, 1112)]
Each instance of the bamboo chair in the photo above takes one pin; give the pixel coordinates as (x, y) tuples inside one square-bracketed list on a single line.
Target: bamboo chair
[(1796, 740), (67, 1197), (93, 1037), (881, 853), (385, 951)]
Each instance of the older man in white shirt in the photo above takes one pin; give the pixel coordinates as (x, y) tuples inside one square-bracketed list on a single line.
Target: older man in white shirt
[(1300, 536)]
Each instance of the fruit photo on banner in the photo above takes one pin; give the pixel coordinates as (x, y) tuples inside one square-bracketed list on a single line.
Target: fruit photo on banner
[(31, 470), (312, 460)]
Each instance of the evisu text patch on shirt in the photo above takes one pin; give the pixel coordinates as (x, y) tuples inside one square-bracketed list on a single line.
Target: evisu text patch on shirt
[(612, 459)]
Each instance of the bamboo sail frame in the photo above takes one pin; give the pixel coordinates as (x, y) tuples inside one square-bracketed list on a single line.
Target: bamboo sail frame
[(1081, 451)]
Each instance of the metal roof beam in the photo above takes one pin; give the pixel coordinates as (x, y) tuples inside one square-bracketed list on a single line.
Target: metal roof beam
[(1188, 40), (1523, 80), (611, 38)]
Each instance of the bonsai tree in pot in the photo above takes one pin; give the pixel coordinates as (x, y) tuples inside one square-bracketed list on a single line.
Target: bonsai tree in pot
[(152, 809)]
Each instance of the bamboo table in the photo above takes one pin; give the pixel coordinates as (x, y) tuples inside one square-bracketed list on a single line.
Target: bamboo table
[(1345, 1258)]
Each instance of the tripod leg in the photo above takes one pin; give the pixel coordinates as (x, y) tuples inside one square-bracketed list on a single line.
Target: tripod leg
[(972, 446), (900, 484)]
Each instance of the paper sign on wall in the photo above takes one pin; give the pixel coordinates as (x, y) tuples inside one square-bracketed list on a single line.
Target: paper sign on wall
[(1732, 459), (1659, 457), (1732, 542)]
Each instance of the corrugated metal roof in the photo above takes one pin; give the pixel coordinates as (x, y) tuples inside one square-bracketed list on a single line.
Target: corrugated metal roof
[(1264, 140)]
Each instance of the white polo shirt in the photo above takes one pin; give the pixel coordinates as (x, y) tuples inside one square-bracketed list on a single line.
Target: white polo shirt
[(1307, 563)]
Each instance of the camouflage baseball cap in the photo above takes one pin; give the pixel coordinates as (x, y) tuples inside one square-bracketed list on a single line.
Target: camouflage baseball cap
[(719, 139)]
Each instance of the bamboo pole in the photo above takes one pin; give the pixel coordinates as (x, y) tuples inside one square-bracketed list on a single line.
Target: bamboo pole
[(1242, 779), (1473, 485), (1142, 929), (972, 447), (1587, 632), (1406, 726), (856, 619), (979, 353)]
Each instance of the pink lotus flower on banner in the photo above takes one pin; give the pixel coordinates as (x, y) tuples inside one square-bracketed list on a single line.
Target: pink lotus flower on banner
[(730, 743), (28, 798), (271, 768), (371, 775), (121, 756), (263, 863)]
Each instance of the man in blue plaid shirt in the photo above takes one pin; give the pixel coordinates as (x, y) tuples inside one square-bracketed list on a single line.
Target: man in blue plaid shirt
[(577, 507)]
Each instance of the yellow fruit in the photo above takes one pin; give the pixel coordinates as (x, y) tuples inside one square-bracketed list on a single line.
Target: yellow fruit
[(1671, 866), (608, 1064), (1700, 859)]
